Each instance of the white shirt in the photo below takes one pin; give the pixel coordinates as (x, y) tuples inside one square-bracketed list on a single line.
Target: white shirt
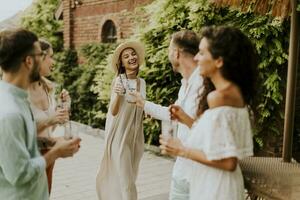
[(188, 98), (220, 133)]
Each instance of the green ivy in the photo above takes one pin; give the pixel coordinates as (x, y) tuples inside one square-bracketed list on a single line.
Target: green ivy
[(41, 21), (89, 83), (89, 100), (78, 79), (269, 35)]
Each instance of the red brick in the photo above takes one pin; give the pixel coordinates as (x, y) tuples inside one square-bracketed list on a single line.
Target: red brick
[(83, 23)]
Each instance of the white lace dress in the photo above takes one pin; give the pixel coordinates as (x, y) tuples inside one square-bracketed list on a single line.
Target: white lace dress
[(220, 133)]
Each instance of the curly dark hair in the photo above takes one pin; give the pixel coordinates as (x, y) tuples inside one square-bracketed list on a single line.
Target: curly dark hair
[(207, 87), (240, 61)]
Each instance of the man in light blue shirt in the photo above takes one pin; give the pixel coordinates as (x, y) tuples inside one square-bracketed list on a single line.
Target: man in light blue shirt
[(22, 168)]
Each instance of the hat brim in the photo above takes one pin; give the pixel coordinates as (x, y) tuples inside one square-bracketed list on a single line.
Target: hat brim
[(137, 46)]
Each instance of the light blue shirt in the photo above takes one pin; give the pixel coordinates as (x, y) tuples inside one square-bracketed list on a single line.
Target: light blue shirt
[(22, 168)]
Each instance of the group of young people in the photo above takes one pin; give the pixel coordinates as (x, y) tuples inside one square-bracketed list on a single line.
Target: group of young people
[(215, 101)]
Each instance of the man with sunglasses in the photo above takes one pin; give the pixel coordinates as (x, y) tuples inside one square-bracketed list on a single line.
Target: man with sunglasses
[(22, 168)]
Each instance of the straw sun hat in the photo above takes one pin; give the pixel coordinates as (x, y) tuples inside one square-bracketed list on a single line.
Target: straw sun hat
[(137, 46)]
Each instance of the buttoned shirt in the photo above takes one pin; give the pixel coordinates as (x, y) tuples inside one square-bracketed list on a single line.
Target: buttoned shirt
[(188, 99), (22, 168)]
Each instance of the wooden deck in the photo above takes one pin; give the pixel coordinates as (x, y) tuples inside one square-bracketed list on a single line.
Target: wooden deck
[(74, 178)]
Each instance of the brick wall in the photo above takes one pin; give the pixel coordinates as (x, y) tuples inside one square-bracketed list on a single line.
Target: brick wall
[(83, 23), (67, 23)]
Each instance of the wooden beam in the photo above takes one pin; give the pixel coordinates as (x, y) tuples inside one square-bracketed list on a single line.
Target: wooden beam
[(278, 8), (291, 84)]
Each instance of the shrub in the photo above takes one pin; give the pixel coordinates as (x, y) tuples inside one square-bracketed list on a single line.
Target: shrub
[(269, 35)]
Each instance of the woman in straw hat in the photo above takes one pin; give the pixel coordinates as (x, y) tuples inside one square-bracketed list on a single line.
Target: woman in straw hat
[(124, 128)]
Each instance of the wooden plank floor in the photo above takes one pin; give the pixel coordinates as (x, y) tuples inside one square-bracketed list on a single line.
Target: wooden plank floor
[(74, 178)]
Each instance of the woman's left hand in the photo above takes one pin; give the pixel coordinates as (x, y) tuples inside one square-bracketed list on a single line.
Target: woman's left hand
[(171, 146), (60, 116), (65, 97)]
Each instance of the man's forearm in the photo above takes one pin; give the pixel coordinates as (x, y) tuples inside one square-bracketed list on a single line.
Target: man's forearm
[(157, 111)]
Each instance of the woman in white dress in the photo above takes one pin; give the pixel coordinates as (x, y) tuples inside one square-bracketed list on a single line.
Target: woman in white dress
[(124, 127), (222, 135)]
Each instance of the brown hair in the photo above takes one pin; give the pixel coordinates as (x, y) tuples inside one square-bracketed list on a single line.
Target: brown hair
[(240, 61), (207, 87), (187, 40), (45, 45), (15, 45)]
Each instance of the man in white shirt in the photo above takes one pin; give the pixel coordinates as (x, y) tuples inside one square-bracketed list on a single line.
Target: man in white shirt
[(182, 49)]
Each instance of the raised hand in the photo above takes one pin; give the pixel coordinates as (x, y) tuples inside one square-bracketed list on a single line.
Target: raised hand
[(62, 149), (170, 146), (60, 116), (118, 87), (65, 98), (66, 148), (177, 113), (139, 100)]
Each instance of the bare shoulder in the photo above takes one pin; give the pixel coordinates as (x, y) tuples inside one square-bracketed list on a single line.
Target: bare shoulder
[(216, 99)]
